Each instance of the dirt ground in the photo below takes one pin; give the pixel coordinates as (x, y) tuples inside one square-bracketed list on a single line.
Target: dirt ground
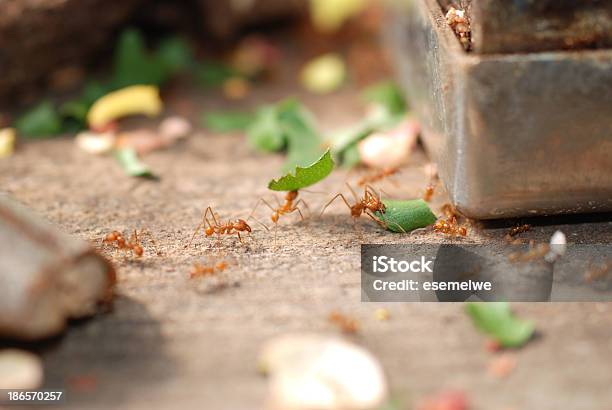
[(171, 342)]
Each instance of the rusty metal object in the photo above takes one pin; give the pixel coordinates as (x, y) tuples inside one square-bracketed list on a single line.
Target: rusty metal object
[(512, 26), (507, 26), (513, 135), (46, 277)]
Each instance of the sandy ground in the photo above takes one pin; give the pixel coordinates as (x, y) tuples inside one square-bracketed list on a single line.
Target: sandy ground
[(171, 342)]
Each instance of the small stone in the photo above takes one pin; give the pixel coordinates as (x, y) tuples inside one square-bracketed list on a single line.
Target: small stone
[(96, 143), (175, 128), (321, 372), (390, 149), (20, 370)]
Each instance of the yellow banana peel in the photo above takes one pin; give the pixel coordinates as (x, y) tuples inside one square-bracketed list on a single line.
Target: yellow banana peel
[(136, 99)]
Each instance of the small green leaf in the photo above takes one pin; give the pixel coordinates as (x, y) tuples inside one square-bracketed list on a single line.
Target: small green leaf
[(303, 143), (131, 164), (213, 74), (404, 216), (388, 95), (174, 54), (497, 320), (286, 124), (40, 122), (304, 176), (265, 133), (227, 121)]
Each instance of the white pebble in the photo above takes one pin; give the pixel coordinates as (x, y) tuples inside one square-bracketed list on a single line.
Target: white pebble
[(175, 127), (319, 372), (20, 370), (95, 143)]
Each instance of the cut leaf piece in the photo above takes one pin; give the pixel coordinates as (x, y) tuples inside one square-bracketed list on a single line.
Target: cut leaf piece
[(304, 176), (131, 164), (265, 133), (137, 99), (388, 95), (228, 121), (496, 320), (406, 215), (286, 124), (40, 122)]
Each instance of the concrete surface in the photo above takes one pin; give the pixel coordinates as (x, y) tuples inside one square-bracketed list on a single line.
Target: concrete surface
[(171, 342)]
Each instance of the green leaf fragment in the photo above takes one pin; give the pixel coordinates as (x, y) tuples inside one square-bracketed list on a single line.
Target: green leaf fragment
[(286, 124), (304, 177), (496, 320), (265, 133), (213, 74), (40, 122), (403, 216), (388, 95), (174, 54), (131, 164), (227, 121)]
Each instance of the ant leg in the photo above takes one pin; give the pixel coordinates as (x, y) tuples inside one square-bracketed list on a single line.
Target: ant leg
[(352, 192), (261, 223), (239, 237), (369, 188), (261, 200), (301, 201), (332, 200)]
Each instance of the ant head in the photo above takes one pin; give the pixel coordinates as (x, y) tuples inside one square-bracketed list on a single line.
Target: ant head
[(138, 251), (291, 195), (209, 231), (243, 225), (274, 217)]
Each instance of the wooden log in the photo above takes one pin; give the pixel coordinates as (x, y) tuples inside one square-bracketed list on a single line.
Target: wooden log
[(46, 277)]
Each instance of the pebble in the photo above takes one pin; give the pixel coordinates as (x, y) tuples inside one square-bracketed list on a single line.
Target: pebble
[(20, 370), (312, 371)]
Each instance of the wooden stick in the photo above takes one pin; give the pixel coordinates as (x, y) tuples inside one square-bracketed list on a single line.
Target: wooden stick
[(46, 277)]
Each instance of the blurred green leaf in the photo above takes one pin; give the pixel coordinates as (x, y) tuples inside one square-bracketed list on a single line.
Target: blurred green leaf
[(40, 122), (388, 95), (496, 320), (286, 124), (304, 177), (265, 133), (131, 164), (228, 121), (212, 74), (175, 55)]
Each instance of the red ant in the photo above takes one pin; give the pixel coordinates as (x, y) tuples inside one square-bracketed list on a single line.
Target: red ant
[(369, 204), (449, 226), (229, 228), (383, 173), (290, 206), (518, 229), (201, 270), (346, 324), (133, 244)]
